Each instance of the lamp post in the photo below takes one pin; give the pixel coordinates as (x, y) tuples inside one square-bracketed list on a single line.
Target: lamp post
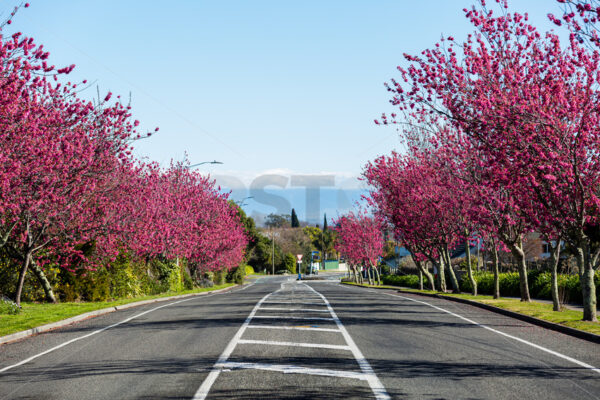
[(241, 203), (204, 162)]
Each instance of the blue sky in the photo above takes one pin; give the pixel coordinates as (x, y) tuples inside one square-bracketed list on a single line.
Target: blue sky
[(285, 87)]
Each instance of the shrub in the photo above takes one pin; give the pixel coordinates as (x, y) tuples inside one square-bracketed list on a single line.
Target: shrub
[(249, 270), (289, 262), (8, 307), (411, 281), (219, 277), (237, 275)]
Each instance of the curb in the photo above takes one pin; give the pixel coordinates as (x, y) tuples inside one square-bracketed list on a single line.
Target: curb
[(592, 337), (59, 324)]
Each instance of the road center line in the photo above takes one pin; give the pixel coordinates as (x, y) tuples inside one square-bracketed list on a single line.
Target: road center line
[(295, 344)]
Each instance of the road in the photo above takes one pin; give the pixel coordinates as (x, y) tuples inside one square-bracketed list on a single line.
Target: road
[(279, 338)]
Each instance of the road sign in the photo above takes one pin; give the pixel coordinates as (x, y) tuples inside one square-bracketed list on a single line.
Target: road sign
[(299, 257)]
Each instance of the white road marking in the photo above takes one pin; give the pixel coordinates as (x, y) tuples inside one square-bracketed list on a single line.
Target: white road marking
[(295, 344), (203, 390), (293, 309), (293, 317), (50, 350), (304, 328), (294, 303), (374, 382), (537, 346), (222, 364), (293, 369)]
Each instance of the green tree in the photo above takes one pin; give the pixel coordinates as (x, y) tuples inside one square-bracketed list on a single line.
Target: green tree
[(324, 222), (289, 262), (295, 222), (277, 221)]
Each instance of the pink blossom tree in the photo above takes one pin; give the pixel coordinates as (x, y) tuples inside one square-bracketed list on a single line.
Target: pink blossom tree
[(360, 241)]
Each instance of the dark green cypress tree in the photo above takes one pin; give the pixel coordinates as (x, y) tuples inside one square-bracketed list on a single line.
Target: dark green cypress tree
[(324, 222), (295, 222)]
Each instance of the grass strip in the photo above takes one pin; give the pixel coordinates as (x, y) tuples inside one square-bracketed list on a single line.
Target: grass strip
[(566, 317), (37, 314)]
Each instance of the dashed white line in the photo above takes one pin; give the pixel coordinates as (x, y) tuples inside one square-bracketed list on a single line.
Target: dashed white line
[(295, 344)]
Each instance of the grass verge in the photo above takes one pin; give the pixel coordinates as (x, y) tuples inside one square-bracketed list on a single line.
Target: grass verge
[(566, 317), (36, 314)]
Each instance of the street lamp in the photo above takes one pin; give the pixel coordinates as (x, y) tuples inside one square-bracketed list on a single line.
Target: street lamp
[(204, 162), (241, 203)]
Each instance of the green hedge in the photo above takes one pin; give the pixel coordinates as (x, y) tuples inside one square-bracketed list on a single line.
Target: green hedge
[(539, 284), (411, 281)]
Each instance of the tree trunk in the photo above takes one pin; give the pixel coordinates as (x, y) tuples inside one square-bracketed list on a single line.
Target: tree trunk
[(41, 276), (588, 288), (369, 275), (469, 269), (423, 271), (580, 262), (517, 251), (442, 273), (554, 260), (378, 276), (22, 278), (453, 280), (496, 271)]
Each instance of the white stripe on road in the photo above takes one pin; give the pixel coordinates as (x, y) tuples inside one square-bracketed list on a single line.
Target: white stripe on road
[(374, 382), (50, 350), (295, 303), (295, 344), (293, 317), (537, 346), (203, 390), (303, 328), (293, 369), (293, 309)]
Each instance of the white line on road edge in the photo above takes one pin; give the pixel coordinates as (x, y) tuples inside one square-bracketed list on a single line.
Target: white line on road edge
[(537, 346), (293, 309), (374, 382), (25, 361), (303, 328), (293, 317), (295, 344), (293, 369), (203, 390)]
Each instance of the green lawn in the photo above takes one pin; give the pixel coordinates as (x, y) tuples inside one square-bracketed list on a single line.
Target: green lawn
[(567, 317), (36, 314)]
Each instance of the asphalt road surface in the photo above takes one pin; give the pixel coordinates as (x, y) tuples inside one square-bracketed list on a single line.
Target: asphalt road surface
[(282, 339)]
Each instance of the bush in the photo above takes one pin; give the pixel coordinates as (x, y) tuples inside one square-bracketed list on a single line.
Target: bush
[(8, 307), (219, 277), (249, 270), (237, 275), (289, 263), (411, 281)]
